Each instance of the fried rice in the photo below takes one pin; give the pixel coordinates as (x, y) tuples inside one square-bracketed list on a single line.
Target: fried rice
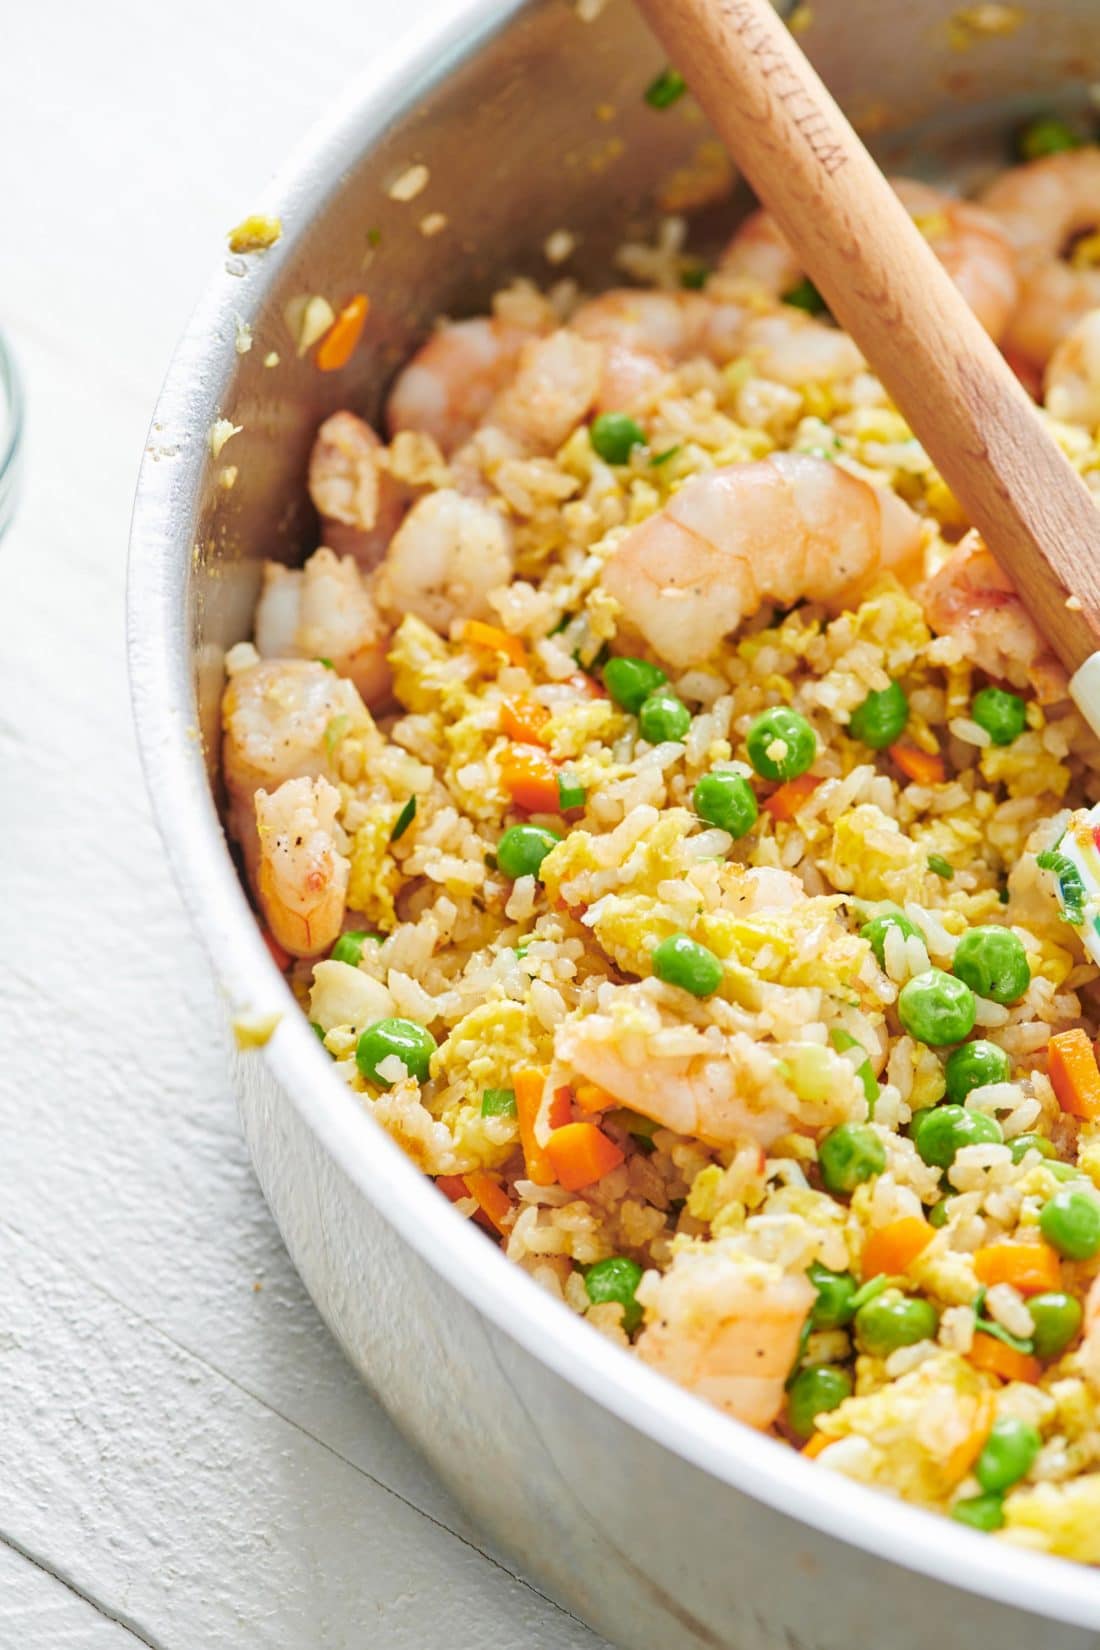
[(657, 1056)]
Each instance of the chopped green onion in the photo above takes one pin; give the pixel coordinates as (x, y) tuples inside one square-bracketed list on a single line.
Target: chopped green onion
[(805, 296), (374, 237), (694, 277), (571, 793), (666, 89), (404, 820), (328, 664), (1070, 885), (1046, 136), (498, 1103), (663, 458), (941, 867), (841, 1040), (989, 1327), (869, 1290), (335, 730)]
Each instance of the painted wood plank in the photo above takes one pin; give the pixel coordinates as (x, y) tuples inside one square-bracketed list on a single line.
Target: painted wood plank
[(192, 1511), (41, 1611), (184, 1443)]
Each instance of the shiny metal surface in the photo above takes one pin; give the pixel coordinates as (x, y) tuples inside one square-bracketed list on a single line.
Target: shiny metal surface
[(11, 433), (656, 1519)]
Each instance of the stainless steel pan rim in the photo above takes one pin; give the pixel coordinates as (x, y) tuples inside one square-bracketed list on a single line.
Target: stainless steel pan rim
[(162, 688)]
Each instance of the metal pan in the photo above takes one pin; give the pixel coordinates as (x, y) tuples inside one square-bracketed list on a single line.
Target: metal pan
[(652, 1516)]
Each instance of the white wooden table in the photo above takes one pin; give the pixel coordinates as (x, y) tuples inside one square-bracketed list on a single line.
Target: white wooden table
[(185, 1459)]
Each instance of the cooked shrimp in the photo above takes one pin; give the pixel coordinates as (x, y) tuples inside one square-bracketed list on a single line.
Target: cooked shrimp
[(302, 876), (973, 600), (275, 716), (448, 554), (1044, 207), (786, 527), (1071, 384), (970, 243), (794, 349), (555, 384), (727, 1327), (448, 386), (324, 611), (666, 326), (357, 500), (760, 250), (629, 380), (973, 248), (736, 1093)]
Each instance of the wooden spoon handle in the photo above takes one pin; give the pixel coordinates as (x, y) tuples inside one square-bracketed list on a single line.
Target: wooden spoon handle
[(887, 288)]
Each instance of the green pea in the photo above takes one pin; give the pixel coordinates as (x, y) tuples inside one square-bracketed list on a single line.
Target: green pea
[(498, 1103), (1003, 715), (892, 1320), (814, 1392), (981, 1512), (804, 295), (684, 962), (663, 716), (1008, 1454), (973, 1065), (616, 1279), (1047, 135), (614, 436), (835, 1291), (522, 849), (848, 1155), (781, 744), (1070, 1222), (1057, 1319), (877, 929), (940, 1213), (1025, 1143), (667, 88), (726, 800), (631, 681), (413, 1044), (571, 793), (941, 1132), (881, 718), (992, 961), (937, 1008), (349, 947)]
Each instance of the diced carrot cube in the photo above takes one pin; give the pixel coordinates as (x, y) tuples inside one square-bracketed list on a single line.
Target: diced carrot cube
[(580, 1154)]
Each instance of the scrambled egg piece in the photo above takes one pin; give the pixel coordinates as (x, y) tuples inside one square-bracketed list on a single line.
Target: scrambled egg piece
[(418, 659), (1058, 1518), (487, 1045), (375, 877), (872, 859), (483, 1052), (1025, 768), (914, 1433)]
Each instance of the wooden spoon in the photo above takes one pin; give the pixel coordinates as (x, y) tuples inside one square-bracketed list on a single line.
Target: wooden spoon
[(887, 288)]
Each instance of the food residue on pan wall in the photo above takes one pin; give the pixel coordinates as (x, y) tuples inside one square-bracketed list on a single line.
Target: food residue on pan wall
[(221, 431), (255, 233), (990, 21)]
